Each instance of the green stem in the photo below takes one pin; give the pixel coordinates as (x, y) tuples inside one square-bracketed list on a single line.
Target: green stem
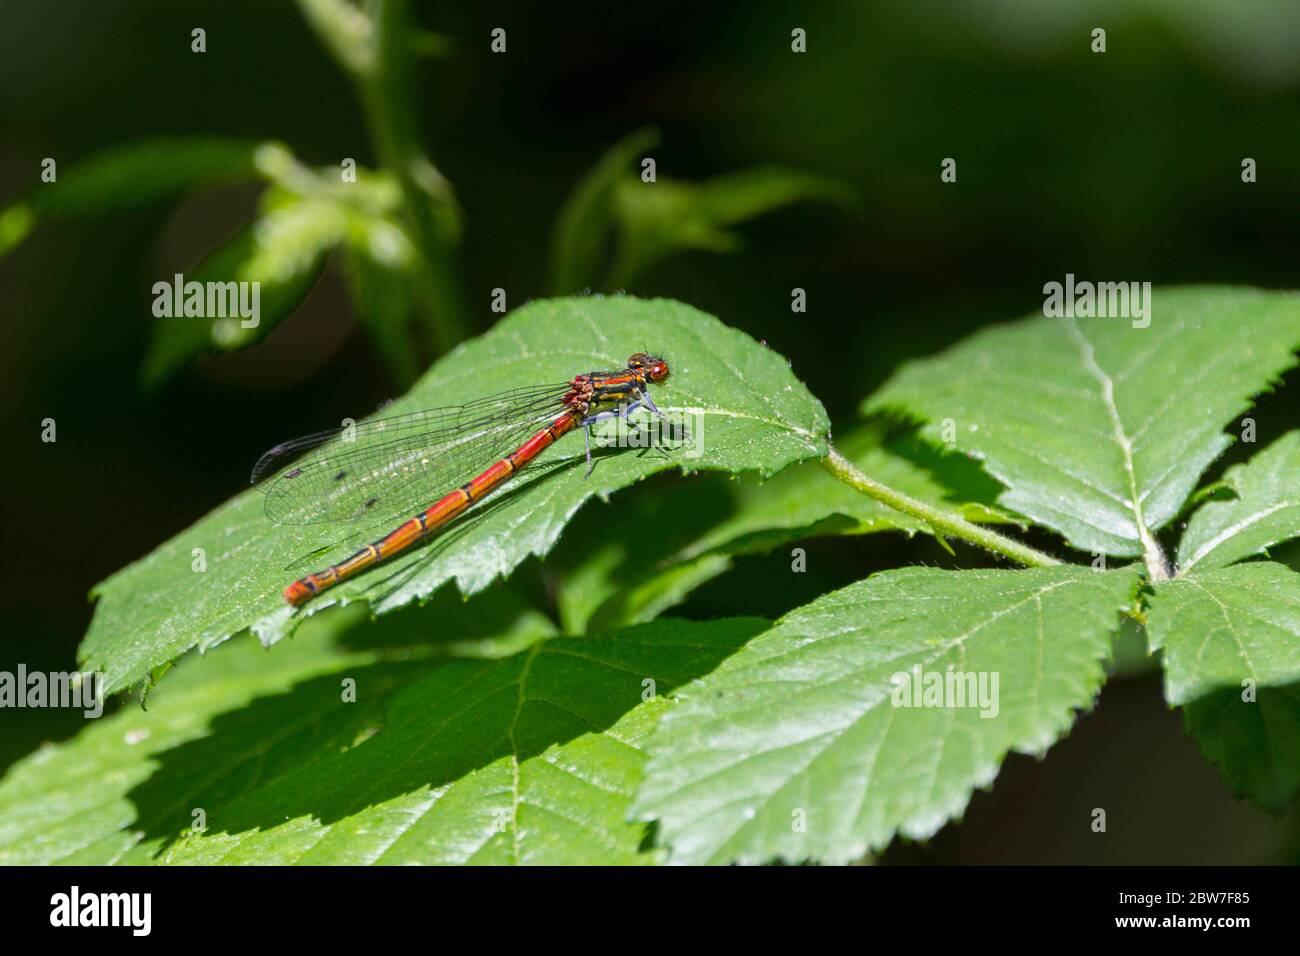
[(343, 28), (428, 198), (377, 50), (944, 523)]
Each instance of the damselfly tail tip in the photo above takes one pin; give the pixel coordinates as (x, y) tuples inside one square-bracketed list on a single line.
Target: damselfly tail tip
[(299, 593)]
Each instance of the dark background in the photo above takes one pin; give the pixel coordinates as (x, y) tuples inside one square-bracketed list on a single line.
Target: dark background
[(1119, 166)]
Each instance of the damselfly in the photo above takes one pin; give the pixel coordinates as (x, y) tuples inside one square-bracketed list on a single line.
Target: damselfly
[(390, 465)]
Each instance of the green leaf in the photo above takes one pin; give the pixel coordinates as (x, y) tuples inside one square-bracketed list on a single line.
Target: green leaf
[(668, 216), (1255, 743), (138, 174), (127, 786), (1231, 642), (528, 760), (283, 252), (1265, 512), (580, 244), (793, 748), (495, 623), (620, 580), (755, 416), (613, 573), (1220, 627), (739, 197), (1098, 429), (655, 220)]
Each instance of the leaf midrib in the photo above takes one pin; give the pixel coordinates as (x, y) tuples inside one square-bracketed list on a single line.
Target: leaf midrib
[(1153, 556), (1237, 528), (830, 735)]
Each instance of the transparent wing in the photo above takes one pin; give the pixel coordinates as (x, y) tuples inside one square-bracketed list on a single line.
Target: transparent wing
[(387, 466)]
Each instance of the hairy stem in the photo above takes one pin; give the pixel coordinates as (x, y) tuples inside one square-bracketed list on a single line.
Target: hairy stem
[(944, 523)]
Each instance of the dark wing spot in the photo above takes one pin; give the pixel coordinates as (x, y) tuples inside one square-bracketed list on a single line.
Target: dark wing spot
[(294, 474), (340, 476), (371, 503)]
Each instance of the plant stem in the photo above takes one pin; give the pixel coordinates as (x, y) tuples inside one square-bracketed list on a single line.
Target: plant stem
[(1153, 556), (942, 522), (343, 28), (377, 49), (427, 196)]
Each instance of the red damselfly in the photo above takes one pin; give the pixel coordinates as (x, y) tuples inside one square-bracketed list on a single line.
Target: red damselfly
[(388, 466)]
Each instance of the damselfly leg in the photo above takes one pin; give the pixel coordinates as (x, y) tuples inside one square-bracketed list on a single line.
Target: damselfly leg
[(624, 412)]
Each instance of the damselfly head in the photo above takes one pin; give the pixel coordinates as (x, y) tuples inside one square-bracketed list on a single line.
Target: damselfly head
[(655, 368)]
